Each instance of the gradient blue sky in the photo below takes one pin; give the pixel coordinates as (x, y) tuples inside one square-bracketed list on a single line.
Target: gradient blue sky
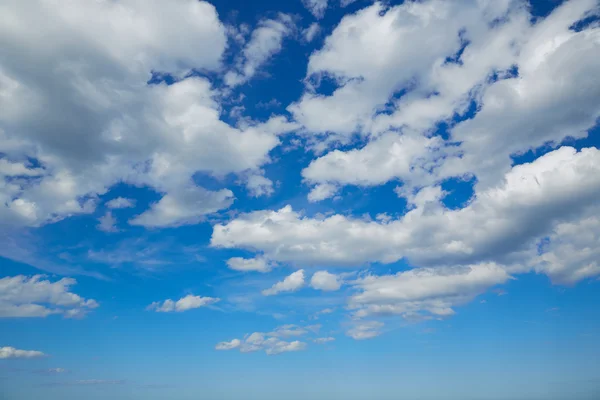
[(302, 200)]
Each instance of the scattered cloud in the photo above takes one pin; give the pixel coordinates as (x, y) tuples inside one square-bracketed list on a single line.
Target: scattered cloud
[(324, 340), (365, 330), (250, 264), (186, 303), (107, 223), (323, 280), (265, 42), (11, 352), (259, 341), (35, 296), (121, 202), (316, 7), (424, 292), (291, 283)]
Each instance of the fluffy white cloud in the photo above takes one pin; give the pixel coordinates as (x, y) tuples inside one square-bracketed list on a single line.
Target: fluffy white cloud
[(11, 352), (379, 51), (107, 223), (291, 283), (270, 343), (409, 157), (184, 207), (497, 225), (259, 185), (188, 302), (290, 330), (234, 344), (250, 264), (84, 112), (323, 280), (121, 202), (324, 340), (265, 42), (548, 100), (316, 7), (571, 253), (365, 330), (431, 290), (311, 32), (22, 296)]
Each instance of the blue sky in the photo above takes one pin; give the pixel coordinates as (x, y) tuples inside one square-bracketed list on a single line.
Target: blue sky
[(303, 199)]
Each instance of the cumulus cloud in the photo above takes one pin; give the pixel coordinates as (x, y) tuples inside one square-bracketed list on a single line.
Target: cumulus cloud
[(324, 340), (424, 292), (266, 41), (316, 7), (271, 343), (291, 283), (107, 223), (121, 202), (570, 253), (35, 296), (500, 224), (323, 280), (184, 207), (527, 78), (365, 330), (311, 32), (258, 264), (186, 303), (234, 344), (11, 352), (97, 121)]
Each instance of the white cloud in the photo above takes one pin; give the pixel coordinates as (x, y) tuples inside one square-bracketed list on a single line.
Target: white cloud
[(365, 330), (433, 291), (265, 42), (259, 185), (548, 101), (12, 169), (322, 192), (291, 283), (378, 51), (93, 79), (121, 202), (498, 224), (323, 280), (11, 352), (250, 264), (22, 296), (270, 343), (234, 344), (571, 252), (316, 7), (107, 223), (311, 32), (289, 330), (324, 340), (56, 371), (186, 303), (184, 207)]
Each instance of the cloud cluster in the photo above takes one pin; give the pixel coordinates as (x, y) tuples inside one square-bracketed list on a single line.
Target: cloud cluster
[(501, 224), (402, 71), (271, 343), (186, 303), (97, 120), (291, 283), (424, 292), (11, 352), (36, 296)]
